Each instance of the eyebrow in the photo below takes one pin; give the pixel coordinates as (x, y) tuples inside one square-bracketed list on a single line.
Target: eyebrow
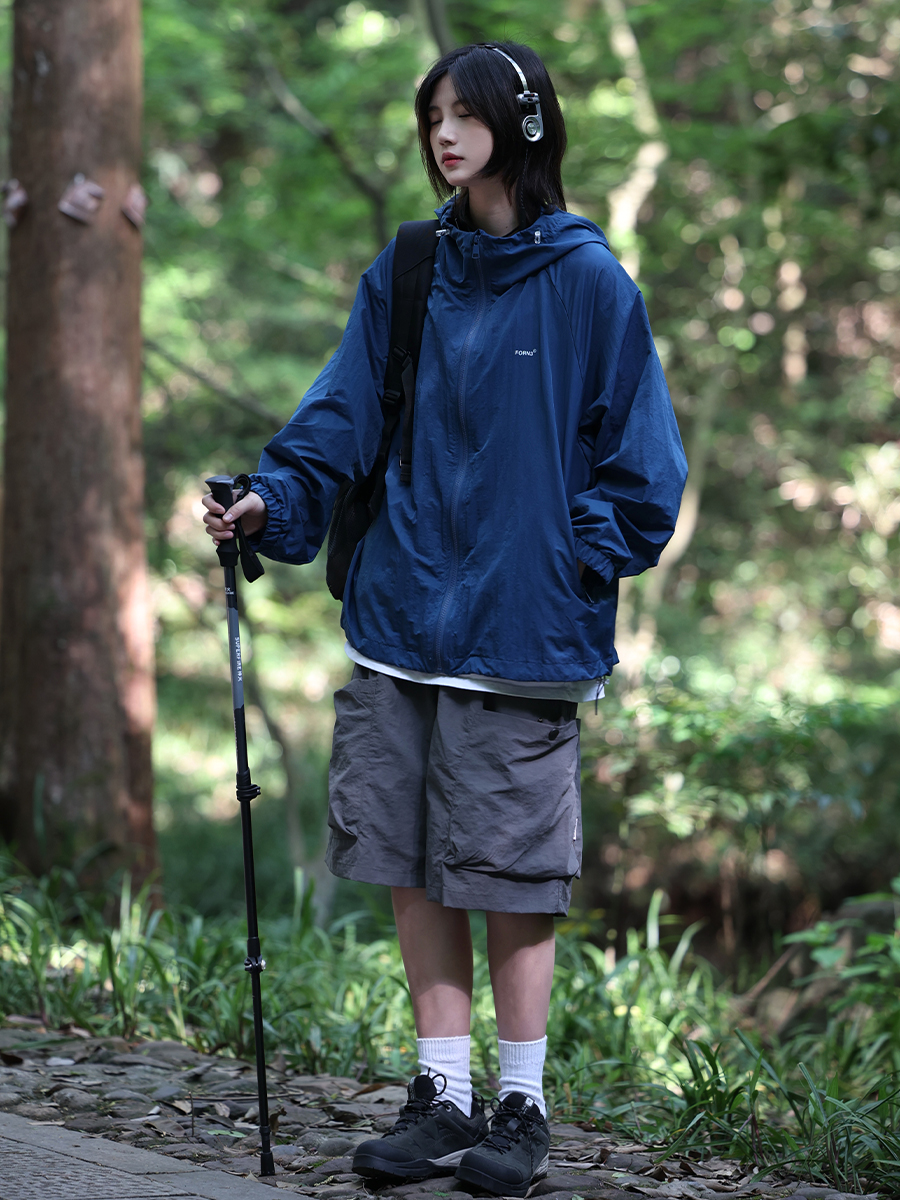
[(436, 107)]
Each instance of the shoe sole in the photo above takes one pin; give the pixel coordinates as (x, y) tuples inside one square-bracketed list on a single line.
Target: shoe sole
[(498, 1186), (418, 1168)]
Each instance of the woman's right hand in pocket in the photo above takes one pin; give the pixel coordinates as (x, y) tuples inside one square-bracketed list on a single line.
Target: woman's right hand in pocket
[(220, 524)]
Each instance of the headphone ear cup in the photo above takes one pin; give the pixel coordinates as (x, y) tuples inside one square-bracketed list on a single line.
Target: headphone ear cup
[(532, 128)]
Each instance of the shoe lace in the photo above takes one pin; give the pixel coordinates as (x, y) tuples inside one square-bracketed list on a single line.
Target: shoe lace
[(508, 1126), (416, 1109)]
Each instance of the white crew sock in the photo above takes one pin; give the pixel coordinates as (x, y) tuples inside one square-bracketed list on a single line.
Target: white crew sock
[(522, 1070), (448, 1057)]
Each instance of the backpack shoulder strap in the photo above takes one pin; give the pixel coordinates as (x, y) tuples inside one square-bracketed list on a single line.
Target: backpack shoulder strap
[(414, 253), (416, 241)]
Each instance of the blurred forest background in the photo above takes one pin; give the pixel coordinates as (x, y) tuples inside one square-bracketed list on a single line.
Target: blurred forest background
[(744, 159)]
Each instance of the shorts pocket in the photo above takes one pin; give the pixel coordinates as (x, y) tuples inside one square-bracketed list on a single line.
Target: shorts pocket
[(354, 720), (517, 804)]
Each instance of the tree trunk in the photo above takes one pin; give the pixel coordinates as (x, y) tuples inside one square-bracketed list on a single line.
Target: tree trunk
[(76, 681), (625, 201), (436, 14)]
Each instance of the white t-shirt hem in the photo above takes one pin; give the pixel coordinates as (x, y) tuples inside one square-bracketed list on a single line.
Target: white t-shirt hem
[(578, 692)]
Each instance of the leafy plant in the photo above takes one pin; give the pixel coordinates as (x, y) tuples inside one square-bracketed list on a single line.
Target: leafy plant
[(642, 1046)]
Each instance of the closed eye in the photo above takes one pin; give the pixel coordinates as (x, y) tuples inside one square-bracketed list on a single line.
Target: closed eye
[(437, 120)]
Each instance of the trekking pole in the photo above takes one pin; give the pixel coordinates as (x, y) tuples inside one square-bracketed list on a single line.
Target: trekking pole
[(229, 552)]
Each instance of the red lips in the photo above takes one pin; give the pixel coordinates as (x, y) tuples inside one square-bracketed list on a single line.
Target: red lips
[(449, 159)]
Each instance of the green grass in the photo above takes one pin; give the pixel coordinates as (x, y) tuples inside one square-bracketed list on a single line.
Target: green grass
[(644, 1047)]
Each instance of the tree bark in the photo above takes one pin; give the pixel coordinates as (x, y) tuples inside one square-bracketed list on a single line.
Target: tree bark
[(76, 681)]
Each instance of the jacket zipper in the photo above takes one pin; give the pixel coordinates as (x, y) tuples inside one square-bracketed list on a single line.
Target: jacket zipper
[(463, 457)]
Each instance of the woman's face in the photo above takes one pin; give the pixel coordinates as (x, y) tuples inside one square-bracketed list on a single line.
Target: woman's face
[(461, 144)]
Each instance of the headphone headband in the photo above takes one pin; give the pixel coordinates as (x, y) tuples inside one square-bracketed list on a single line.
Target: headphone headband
[(515, 65), (532, 123)]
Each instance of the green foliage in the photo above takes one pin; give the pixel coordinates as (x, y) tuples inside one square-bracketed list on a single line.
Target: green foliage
[(848, 1143), (613, 1020), (180, 975), (746, 758), (643, 1046), (795, 799), (864, 967), (768, 254)]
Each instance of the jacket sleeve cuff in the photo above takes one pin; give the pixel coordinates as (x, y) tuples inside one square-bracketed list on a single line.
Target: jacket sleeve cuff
[(597, 561), (270, 535)]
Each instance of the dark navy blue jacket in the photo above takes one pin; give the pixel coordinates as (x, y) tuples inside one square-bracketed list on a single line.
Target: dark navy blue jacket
[(544, 434)]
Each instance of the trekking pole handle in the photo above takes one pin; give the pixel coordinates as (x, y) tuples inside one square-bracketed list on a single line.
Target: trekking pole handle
[(236, 546), (221, 487)]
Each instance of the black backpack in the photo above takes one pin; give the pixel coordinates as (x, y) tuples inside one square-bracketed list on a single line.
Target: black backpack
[(358, 501)]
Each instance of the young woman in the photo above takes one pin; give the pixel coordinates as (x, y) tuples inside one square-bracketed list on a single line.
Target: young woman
[(480, 607)]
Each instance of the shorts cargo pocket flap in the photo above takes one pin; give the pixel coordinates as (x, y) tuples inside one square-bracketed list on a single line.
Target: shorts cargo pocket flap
[(520, 807)]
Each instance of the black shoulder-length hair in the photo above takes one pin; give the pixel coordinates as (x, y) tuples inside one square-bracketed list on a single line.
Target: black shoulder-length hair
[(488, 86)]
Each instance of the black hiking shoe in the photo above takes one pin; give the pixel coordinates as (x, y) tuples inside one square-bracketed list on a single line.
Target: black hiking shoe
[(514, 1154), (429, 1138)]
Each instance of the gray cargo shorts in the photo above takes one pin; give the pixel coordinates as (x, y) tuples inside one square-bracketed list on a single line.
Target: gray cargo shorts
[(473, 796)]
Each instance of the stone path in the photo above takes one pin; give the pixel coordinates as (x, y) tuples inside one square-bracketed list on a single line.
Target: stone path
[(46, 1162), (100, 1118)]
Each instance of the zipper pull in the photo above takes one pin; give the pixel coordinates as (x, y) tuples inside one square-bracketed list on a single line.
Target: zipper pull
[(537, 237), (476, 252)]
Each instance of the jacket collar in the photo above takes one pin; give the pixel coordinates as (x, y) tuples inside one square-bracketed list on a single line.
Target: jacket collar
[(505, 261)]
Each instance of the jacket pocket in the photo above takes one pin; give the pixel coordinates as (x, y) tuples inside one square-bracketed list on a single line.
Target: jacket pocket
[(519, 816)]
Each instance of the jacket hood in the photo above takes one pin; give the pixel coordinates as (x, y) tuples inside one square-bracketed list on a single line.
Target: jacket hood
[(509, 260)]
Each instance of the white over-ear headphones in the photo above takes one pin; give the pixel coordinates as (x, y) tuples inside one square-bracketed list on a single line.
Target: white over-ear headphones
[(532, 123)]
